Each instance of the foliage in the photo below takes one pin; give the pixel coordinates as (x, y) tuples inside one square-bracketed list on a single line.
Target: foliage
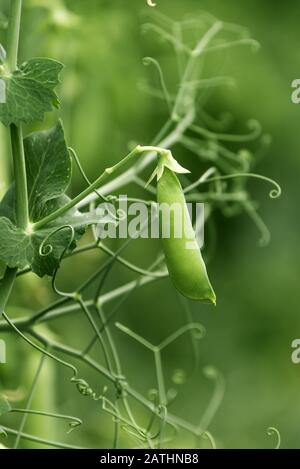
[(56, 222)]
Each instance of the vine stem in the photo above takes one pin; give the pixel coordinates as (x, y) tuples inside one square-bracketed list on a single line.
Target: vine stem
[(29, 401), (14, 33), (6, 285), (16, 136), (42, 441), (139, 150)]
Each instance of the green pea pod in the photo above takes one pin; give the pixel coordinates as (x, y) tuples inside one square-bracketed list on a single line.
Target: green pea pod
[(186, 267)]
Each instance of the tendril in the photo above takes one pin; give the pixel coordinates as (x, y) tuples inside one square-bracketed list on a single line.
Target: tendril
[(208, 436), (120, 214), (255, 45), (83, 173), (151, 61), (274, 193), (165, 36), (45, 352), (265, 235), (210, 82), (74, 422), (274, 431), (85, 389), (208, 147), (216, 399), (255, 132), (46, 249)]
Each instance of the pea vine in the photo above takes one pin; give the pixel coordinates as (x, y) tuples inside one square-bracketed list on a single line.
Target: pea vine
[(40, 225)]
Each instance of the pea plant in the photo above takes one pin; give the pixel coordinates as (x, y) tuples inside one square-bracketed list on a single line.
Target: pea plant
[(41, 225)]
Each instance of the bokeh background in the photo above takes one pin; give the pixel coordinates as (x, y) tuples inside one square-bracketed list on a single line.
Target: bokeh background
[(250, 332)]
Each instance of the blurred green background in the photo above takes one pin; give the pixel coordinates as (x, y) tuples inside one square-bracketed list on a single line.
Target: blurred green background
[(250, 332)]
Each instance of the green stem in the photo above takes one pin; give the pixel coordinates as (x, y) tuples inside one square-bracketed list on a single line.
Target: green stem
[(29, 401), (70, 418), (94, 186), (6, 285), (105, 175), (16, 135), (4, 163), (26, 436), (17, 150), (160, 377), (184, 88), (173, 419), (14, 34)]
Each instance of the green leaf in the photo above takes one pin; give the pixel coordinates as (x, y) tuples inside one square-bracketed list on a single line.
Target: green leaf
[(58, 235), (5, 406), (49, 170), (29, 91), (20, 249), (15, 246), (48, 166)]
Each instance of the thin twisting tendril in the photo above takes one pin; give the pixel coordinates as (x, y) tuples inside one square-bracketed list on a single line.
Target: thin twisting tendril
[(150, 60), (275, 431), (216, 399), (274, 193), (151, 3), (73, 421), (208, 436), (82, 386), (46, 249)]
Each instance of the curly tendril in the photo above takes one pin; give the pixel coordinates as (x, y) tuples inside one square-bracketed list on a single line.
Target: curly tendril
[(208, 436), (74, 422), (82, 385), (151, 61), (85, 389), (274, 193), (274, 431), (46, 249), (213, 374)]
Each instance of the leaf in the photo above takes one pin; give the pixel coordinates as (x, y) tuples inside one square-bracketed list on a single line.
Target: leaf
[(60, 240), (30, 91), (20, 249), (15, 246), (5, 406), (49, 170), (48, 166)]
